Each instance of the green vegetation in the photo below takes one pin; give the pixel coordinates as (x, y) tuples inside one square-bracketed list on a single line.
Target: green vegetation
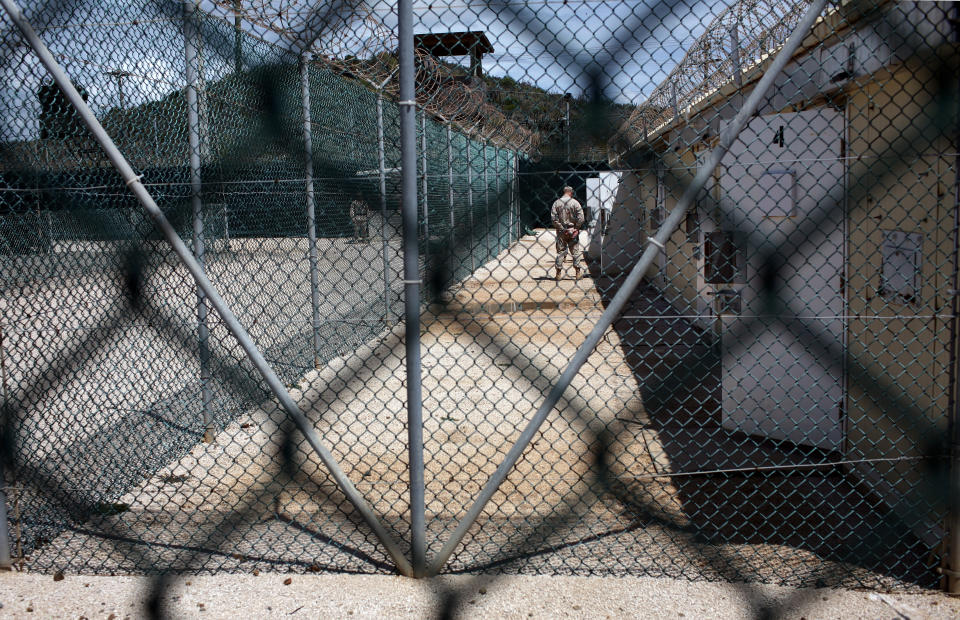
[(591, 123)]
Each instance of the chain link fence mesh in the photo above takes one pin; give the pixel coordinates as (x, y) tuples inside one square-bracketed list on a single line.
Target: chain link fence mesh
[(773, 403)]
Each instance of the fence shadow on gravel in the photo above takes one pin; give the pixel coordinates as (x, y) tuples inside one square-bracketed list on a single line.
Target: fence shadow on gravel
[(140, 435)]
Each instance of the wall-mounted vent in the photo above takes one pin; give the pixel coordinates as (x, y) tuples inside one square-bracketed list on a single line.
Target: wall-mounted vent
[(725, 260), (727, 302)]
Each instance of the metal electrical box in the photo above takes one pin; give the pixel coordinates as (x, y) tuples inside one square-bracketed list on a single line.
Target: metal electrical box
[(727, 302), (901, 253)]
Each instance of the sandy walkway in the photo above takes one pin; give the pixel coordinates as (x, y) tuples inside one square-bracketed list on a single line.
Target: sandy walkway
[(489, 354), (521, 597)]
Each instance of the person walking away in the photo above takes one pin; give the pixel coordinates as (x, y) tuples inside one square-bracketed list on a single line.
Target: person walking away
[(360, 215), (567, 217)]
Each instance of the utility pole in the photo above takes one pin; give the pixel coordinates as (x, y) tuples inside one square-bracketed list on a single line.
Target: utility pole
[(120, 74), (237, 38)]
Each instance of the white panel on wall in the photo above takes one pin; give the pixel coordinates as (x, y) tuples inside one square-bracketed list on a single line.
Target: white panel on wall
[(775, 192), (901, 253)]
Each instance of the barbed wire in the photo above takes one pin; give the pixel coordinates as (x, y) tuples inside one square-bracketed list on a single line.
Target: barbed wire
[(360, 45)]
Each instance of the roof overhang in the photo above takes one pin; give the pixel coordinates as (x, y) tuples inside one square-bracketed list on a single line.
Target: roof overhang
[(453, 43)]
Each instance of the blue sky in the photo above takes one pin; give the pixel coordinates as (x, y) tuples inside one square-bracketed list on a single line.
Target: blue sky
[(554, 44), (551, 43)]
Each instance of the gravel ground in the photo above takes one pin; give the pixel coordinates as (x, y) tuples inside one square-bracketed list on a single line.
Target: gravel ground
[(273, 595), (110, 396), (489, 354)]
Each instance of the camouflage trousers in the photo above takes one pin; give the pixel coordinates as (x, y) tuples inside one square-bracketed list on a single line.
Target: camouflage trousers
[(361, 228), (565, 245)]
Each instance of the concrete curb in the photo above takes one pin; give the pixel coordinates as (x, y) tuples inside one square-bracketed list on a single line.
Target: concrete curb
[(269, 595)]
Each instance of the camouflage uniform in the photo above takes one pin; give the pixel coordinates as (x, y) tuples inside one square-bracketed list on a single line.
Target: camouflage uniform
[(360, 214), (567, 213)]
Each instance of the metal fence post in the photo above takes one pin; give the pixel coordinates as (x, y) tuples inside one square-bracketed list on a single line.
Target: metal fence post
[(3, 372), (660, 209), (953, 544), (673, 101), (5, 560), (516, 193), (499, 197), (382, 171), (237, 36), (473, 240), (453, 221), (735, 55), (424, 188), (311, 207), (411, 281), (486, 200), (226, 227), (953, 408), (510, 198), (197, 139)]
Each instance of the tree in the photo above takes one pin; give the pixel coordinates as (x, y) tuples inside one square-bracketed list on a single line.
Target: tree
[(59, 120)]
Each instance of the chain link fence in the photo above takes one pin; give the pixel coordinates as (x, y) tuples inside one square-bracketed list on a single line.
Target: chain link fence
[(749, 373)]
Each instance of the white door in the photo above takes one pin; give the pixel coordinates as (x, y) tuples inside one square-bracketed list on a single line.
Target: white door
[(601, 192), (594, 199), (776, 382)]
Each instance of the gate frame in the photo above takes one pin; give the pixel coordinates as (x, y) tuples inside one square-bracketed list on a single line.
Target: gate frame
[(134, 182), (655, 246)]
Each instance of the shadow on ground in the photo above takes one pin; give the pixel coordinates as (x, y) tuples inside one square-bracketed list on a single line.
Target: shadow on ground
[(764, 524)]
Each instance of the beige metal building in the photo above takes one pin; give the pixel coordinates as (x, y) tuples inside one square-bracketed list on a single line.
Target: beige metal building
[(842, 194)]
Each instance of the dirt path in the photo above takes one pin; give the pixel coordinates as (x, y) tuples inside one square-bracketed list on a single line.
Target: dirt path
[(490, 353)]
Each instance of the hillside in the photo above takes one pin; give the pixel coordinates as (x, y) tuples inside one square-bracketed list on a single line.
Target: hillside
[(591, 124), (449, 86)]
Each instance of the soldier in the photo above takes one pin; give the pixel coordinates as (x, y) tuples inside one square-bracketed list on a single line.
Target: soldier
[(360, 215), (567, 217)]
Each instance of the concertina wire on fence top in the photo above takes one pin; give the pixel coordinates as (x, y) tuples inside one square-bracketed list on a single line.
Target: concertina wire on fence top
[(773, 402)]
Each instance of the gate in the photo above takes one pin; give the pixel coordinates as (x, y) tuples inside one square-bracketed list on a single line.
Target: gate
[(279, 291)]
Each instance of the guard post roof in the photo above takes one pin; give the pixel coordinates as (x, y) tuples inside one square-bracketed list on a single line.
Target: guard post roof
[(453, 43)]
